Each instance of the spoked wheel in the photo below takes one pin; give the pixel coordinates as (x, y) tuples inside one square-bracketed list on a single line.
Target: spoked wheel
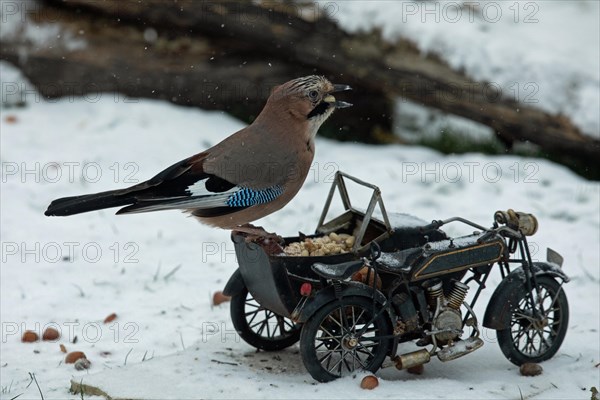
[(535, 339), (343, 337), (260, 327)]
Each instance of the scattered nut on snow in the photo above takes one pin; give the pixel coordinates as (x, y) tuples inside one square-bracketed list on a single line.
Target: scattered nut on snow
[(110, 318), (10, 119), (417, 369), (82, 363), (369, 382), (63, 348), (29, 337), (219, 298), (531, 369), (50, 334), (73, 356)]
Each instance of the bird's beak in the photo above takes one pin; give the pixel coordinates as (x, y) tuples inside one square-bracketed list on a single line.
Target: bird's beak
[(338, 103)]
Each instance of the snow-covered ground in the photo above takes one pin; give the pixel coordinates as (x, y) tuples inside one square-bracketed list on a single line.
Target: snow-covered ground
[(158, 271), (542, 53)]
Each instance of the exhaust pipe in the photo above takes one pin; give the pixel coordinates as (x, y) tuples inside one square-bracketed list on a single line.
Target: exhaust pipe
[(413, 359)]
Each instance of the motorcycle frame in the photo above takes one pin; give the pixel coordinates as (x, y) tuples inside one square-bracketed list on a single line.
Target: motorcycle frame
[(514, 239)]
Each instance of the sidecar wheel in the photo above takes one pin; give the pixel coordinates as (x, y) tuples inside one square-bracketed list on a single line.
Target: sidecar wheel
[(260, 327), (329, 347), (530, 340)]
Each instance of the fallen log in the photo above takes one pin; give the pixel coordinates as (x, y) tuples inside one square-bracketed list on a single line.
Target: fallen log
[(261, 44)]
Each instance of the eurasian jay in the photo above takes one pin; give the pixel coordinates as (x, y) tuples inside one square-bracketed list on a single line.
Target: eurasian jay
[(251, 174)]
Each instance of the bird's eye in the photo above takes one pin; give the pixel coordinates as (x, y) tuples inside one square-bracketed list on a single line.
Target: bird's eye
[(313, 94)]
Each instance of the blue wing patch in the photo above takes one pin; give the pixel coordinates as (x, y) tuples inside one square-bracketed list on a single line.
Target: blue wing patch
[(249, 197)]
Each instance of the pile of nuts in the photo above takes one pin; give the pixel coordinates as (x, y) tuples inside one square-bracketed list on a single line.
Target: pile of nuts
[(333, 243)]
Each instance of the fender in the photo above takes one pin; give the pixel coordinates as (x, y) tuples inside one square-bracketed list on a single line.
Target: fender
[(497, 313), (327, 295), (235, 284)]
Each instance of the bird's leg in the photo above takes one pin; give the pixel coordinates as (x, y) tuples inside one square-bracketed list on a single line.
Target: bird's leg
[(257, 233)]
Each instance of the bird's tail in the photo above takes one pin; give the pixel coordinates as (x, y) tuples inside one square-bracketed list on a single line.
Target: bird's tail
[(90, 202)]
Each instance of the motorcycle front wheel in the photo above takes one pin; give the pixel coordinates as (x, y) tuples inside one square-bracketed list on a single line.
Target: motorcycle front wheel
[(344, 336), (531, 339)]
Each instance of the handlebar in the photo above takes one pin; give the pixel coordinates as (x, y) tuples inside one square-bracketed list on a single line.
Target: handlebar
[(437, 224), (506, 231), (503, 230)]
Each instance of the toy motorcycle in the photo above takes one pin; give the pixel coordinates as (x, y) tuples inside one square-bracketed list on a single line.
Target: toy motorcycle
[(401, 282)]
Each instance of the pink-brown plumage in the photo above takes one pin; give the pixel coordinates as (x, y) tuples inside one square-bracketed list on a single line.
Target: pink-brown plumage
[(250, 174)]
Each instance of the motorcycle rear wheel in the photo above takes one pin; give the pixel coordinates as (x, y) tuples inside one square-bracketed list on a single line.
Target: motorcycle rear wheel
[(261, 327), (531, 340)]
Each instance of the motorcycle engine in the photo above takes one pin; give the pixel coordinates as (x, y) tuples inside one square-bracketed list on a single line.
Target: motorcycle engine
[(448, 317), (449, 320)]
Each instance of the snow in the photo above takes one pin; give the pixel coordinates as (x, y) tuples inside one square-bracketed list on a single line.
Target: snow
[(403, 220), (462, 241), (327, 269), (542, 53), (389, 260), (460, 349), (158, 271)]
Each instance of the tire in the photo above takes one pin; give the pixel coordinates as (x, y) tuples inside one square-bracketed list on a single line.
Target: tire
[(324, 346), (527, 341), (260, 327)]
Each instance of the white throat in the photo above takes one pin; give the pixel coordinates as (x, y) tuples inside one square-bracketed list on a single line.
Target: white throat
[(315, 123)]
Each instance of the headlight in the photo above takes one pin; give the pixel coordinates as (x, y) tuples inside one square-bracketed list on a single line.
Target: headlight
[(526, 223)]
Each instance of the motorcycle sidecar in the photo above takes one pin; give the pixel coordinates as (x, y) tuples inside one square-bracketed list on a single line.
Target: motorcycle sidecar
[(266, 288)]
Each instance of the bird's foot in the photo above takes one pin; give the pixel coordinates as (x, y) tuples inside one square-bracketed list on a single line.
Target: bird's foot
[(257, 234)]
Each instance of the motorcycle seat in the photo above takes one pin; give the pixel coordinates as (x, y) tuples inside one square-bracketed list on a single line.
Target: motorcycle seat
[(399, 261), (337, 271)]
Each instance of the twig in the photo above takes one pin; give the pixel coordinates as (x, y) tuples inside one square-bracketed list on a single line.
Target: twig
[(148, 359), (146, 287), (224, 362), (520, 393), (81, 293), (34, 379), (181, 337), (170, 274), (129, 352), (155, 277), (17, 396)]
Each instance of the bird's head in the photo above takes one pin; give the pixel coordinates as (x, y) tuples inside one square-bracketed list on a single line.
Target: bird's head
[(308, 99)]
